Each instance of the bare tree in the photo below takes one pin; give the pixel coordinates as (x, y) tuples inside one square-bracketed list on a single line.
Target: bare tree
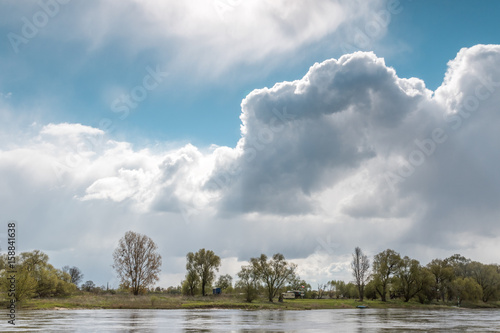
[(360, 266), (136, 261), (321, 290)]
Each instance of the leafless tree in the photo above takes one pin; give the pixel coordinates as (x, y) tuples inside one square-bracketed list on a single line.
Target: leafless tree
[(321, 290), (360, 266), (136, 261)]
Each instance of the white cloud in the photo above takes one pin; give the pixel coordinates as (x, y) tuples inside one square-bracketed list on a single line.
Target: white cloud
[(225, 32), (309, 178)]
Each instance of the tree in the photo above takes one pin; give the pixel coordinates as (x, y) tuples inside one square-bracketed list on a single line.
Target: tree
[(321, 289), (88, 286), (340, 288), (204, 263), (466, 289), (40, 277), (351, 291), (225, 282), (487, 277), (410, 278), (274, 273), (427, 292), (136, 261), (75, 274), (25, 284), (299, 285), (385, 264), (460, 265), (443, 275), (370, 291), (190, 284), (248, 282), (360, 265)]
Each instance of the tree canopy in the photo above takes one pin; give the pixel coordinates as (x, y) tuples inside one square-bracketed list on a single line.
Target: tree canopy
[(204, 263), (137, 262)]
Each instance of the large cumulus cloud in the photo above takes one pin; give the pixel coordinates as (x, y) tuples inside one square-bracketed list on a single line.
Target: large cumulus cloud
[(304, 136)]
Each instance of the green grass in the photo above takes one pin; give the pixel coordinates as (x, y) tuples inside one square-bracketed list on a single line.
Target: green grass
[(159, 301)]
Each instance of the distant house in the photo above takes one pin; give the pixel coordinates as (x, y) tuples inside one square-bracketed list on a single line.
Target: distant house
[(288, 295), (292, 294)]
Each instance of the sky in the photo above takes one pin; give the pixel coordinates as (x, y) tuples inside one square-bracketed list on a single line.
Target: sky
[(246, 127)]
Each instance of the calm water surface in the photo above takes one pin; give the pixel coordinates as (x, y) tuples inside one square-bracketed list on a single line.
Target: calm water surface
[(345, 320)]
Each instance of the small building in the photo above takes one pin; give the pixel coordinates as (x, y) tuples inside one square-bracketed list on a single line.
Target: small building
[(288, 295), (217, 291)]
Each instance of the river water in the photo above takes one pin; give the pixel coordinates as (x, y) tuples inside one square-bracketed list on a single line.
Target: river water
[(340, 320)]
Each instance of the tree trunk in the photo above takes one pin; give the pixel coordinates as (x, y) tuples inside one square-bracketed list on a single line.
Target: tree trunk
[(361, 292)]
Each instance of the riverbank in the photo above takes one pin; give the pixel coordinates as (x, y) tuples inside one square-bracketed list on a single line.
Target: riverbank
[(158, 301)]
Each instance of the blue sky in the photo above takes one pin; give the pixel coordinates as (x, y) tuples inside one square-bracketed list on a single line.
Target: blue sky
[(420, 40), (231, 126)]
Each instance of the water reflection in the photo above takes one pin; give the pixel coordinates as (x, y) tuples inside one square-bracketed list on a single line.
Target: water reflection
[(266, 321)]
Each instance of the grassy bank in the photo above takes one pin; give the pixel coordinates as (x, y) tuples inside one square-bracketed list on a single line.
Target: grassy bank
[(126, 301)]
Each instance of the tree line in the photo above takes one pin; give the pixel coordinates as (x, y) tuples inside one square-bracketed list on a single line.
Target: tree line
[(455, 278), (389, 276)]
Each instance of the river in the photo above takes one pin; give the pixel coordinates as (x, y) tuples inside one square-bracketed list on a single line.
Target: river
[(341, 320)]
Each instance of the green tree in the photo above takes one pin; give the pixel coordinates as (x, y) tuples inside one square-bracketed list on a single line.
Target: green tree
[(427, 292), (248, 282), (460, 265), (89, 286), (466, 289), (49, 280), (204, 263), (351, 291), (385, 265), (274, 273), (136, 261), (190, 284), (410, 278), (487, 277), (443, 273), (36, 277), (225, 282), (340, 288), (360, 266), (25, 284), (370, 290)]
